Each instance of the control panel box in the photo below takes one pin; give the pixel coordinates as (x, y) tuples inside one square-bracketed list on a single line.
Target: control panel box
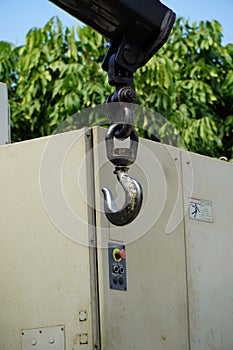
[(117, 266)]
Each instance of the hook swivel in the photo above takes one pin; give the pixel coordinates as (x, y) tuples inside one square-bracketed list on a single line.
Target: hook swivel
[(133, 199)]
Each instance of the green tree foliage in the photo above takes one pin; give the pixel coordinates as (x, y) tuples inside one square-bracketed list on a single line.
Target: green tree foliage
[(191, 84), (189, 81)]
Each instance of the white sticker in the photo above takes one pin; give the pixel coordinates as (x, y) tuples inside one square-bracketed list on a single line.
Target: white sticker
[(200, 210)]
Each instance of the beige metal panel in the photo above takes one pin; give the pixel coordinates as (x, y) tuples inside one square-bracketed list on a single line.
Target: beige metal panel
[(44, 262), (152, 313), (4, 115), (209, 253)]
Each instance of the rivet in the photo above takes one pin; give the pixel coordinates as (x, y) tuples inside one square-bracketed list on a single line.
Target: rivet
[(33, 341), (82, 316), (83, 338), (51, 340)]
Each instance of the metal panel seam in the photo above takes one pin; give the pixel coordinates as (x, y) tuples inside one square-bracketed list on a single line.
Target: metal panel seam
[(92, 239), (185, 245)]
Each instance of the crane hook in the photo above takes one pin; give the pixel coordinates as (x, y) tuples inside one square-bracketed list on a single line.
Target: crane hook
[(133, 199)]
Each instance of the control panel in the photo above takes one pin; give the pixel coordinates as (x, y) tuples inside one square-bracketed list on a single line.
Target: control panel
[(117, 266)]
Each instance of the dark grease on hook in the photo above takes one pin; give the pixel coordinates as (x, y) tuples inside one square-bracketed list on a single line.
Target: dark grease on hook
[(133, 199)]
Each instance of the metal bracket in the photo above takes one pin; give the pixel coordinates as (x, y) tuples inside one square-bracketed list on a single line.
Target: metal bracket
[(43, 338)]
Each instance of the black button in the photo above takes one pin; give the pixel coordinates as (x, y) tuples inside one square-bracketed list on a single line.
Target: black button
[(121, 281)]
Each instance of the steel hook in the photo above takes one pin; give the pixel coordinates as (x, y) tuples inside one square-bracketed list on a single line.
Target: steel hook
[(133, 199)]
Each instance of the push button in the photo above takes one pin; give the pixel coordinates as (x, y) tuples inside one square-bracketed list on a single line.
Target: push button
[(119, 254)]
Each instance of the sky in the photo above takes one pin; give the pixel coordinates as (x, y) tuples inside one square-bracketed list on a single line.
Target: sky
[(17, 17)]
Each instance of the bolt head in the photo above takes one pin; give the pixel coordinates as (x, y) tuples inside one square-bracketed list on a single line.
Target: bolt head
[(129, 57)]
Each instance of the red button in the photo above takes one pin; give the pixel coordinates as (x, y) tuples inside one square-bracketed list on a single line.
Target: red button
[(122, 254)]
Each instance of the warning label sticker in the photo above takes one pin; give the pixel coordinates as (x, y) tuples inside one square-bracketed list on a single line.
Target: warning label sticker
[(200, 210)]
